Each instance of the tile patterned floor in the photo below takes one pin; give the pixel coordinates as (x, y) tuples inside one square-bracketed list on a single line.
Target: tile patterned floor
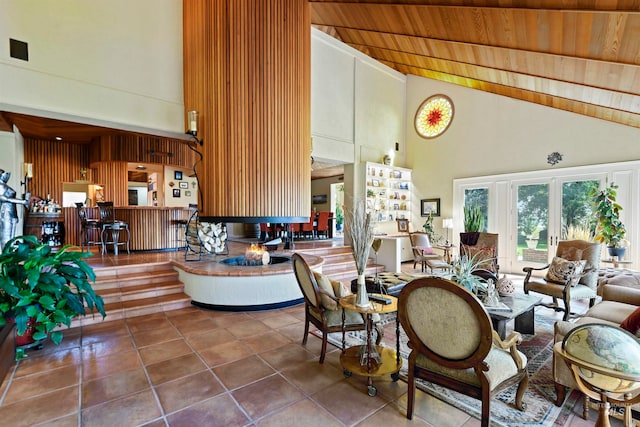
[(194, 367)]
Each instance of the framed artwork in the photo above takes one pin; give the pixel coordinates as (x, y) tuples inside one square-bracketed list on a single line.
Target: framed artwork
[(430, 207), (375, 183), (187, 193), (403, 225), (319, 199), (177, 175), (176, 192), (184, 184)]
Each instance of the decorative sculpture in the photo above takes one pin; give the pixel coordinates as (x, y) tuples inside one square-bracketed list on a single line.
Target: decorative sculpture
[(8, 210)]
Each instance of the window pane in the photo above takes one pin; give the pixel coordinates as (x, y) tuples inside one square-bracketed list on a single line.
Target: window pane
[(578, 219)]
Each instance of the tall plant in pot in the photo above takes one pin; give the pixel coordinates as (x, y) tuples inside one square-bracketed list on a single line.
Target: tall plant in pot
[(609, 230), (42, 290)]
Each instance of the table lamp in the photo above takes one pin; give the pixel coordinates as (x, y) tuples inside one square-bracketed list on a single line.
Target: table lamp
[(447, 223)]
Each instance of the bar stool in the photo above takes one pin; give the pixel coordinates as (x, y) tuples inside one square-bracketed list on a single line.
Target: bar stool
[(88, 227), (113, 226)]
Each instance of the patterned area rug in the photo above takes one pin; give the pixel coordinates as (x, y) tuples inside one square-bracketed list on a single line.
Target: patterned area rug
[(540, 395)]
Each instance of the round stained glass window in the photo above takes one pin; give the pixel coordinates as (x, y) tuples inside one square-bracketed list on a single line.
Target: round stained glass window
[(434, 116)]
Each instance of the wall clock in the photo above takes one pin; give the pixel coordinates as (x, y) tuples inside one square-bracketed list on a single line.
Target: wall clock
[(434, 116)]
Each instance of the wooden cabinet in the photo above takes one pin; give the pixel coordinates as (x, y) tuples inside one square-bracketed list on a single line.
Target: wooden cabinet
[(47, 227), (388, 190)]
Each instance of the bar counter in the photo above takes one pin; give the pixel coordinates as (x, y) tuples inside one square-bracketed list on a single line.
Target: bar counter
[(151, 227)]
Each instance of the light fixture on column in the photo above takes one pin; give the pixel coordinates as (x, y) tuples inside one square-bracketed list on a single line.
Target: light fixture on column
[(192, 120), (447, 223)]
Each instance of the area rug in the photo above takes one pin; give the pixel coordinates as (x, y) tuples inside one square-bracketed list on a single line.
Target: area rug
[(540, 395)]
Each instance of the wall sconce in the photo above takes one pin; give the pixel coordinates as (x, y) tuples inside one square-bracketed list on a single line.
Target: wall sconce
[(447, 223), (27, 172), (192, 120)]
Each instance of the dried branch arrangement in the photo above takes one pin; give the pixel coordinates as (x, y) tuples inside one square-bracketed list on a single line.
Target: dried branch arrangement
[(359, 225)]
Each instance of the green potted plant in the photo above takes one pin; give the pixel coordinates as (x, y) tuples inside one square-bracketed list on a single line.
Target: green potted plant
[(609, 230), (339, 218), (473, 218), (41, 290), (434, 238), (463, 273)]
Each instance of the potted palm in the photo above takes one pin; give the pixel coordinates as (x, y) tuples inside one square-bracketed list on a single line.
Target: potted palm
[(609, 230), (473, 219), (41, 290)]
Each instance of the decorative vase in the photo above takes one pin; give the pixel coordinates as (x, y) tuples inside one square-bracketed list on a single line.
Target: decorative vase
[(362, 297), (27, 337), (532, 243), (505, 286)]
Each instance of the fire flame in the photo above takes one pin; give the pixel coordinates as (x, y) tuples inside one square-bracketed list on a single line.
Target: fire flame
[(254, 254)]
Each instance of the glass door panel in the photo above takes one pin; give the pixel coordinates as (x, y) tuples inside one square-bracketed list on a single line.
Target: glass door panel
[(531, 246), (578, 218)]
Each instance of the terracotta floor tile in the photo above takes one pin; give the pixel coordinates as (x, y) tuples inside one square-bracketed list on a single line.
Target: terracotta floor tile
[(392, 415), (41, 383), (242, 372), (197, 327), (105, 329), (178, 394), (225, 353), (304, 413), (265, 342), (311, 376), (114, 345), (219, 411), (72, 420), (287, 356), (257, 402), (41, 408), (229, 319), (280, 320), (131, 410), (187, 317), (95, 367), (150, 322), (248, 328), (348, 401), (155, 336), (163, 351), (35, 364), (434, 411), (113, 387), (174, 368), (294, 332), (210, 338)]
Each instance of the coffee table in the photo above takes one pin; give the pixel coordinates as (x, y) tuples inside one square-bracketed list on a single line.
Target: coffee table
[(522, 313)]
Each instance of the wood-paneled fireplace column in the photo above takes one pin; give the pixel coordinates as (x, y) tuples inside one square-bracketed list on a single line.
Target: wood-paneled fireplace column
[(247, 73)]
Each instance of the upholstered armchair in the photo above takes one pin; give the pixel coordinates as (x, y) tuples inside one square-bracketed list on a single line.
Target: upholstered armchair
[(424, 254), (454, 345), (322, 308), (573, 274), (482, 246)]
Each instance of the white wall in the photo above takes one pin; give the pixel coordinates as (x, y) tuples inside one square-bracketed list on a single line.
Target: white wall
[(187, 195), (492, 134), (115, 61)]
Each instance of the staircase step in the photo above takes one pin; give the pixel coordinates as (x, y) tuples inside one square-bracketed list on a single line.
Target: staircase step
[(135, 279), (141, 291)]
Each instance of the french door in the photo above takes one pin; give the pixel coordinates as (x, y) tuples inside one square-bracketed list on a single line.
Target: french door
[(545, 211)]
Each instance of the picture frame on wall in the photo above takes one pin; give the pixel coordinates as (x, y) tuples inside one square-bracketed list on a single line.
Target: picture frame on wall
[(177, 175), (176, 192), (430, 207), (184, 184), (403, 225), (187, 193)]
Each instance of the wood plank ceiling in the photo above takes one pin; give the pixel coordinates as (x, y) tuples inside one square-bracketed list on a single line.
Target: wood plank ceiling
[(581, 56)]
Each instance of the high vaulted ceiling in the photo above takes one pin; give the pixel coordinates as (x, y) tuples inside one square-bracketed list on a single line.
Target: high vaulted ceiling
[(581, 56)]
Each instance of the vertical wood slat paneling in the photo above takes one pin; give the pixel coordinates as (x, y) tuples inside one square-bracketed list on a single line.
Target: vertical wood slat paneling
[(143, 149), (247, 72), (113, 176), (54, 162)]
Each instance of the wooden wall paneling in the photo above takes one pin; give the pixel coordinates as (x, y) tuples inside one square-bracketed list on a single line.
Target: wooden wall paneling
[(252, 91), (54, 162), (113, 176)]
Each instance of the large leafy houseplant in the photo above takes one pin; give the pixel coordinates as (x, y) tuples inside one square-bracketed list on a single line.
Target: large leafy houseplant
[(48, 287), (610, 230), (463, 270)]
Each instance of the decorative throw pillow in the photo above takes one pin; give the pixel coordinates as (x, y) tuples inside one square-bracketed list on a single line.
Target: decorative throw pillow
[(487, 253), (632, 323), (325, 284), (340, 290), (570, 253), (427, 251), (564, 272)]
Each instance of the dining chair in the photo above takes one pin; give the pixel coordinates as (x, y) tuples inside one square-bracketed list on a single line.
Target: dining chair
[(322, 227), (308, 228)]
